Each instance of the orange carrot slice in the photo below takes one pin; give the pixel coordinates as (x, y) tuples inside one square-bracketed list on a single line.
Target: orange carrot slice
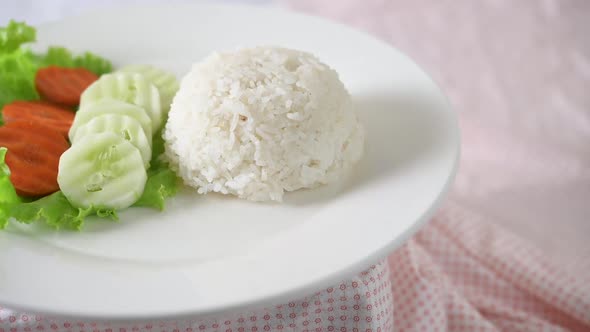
[(63, 85), (33, 156), (45, 113)]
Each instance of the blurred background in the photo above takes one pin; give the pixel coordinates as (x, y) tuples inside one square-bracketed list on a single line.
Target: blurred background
[(518, 75)]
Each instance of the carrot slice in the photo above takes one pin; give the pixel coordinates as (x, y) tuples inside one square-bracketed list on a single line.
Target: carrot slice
[(63, 85), (33, 156), (47, 114)]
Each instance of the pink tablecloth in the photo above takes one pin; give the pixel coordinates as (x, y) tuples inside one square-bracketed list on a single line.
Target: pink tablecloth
[(517, 73), (509, 251)]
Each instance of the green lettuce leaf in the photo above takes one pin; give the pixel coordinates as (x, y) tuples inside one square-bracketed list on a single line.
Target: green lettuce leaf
[(17, 77), (20, 62), (57, 212), (162, 181), (14, 35), (158, 149), (94, 63), (17, 65), (161, 184), (8, 196), (62, 57), (57, 56), (7, 191)]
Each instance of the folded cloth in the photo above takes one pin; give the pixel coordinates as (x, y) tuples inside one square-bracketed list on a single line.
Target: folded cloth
[(463, 273)]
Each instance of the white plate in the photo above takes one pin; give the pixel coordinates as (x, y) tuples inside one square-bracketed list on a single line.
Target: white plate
[(207, 254)]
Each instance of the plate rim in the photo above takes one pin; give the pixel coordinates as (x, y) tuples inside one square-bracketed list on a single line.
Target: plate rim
[(327, 280)]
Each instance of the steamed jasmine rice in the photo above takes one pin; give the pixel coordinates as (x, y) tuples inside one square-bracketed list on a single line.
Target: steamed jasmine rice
[(258, 122)]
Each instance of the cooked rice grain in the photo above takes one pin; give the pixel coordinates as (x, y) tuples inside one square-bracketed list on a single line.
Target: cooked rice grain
[(258, 122)]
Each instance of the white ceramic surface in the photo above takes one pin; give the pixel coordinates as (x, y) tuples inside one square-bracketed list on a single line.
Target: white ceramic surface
[(207, 254)]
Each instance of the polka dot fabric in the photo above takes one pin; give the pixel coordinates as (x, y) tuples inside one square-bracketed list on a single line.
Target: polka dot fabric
[(461, 273)]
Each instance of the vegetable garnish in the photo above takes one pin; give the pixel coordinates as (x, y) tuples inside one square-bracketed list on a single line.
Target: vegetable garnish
[(35, 134), (14, 35), (62, 57), (57, 212), (162, 182), (8, 196), (33, 157), (63, 85), (102, 169), (56, 117)]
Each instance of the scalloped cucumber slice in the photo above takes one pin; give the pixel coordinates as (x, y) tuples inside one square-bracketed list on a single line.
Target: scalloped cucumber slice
[(102, 170), (166, 82), (110, 106), (122, 125), (128, 87)]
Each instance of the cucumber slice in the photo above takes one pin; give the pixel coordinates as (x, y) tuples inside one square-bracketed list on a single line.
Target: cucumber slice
[(130, 88), (102, 170), (110, 106), (122, 125), (166, 82)]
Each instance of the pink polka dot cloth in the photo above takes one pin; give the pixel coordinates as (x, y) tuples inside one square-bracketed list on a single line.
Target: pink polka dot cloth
[(509, 250)]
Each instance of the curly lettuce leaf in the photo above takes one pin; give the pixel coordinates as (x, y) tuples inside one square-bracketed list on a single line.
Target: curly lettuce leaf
[(57, 56), (17, 77), (8, 196), (94, 63), (57, 212), (7, 192), (158, 149), (17, 65), (62, 57), (20, 62), (161, 184), (162, 181), (14, 35)]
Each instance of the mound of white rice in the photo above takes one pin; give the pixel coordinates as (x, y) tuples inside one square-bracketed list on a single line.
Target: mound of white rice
[(258, 122)]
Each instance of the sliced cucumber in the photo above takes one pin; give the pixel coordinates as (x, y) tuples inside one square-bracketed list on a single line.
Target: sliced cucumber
[(166, 82), (130, 88), (109, 106), (102, 170), (122, 125)]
